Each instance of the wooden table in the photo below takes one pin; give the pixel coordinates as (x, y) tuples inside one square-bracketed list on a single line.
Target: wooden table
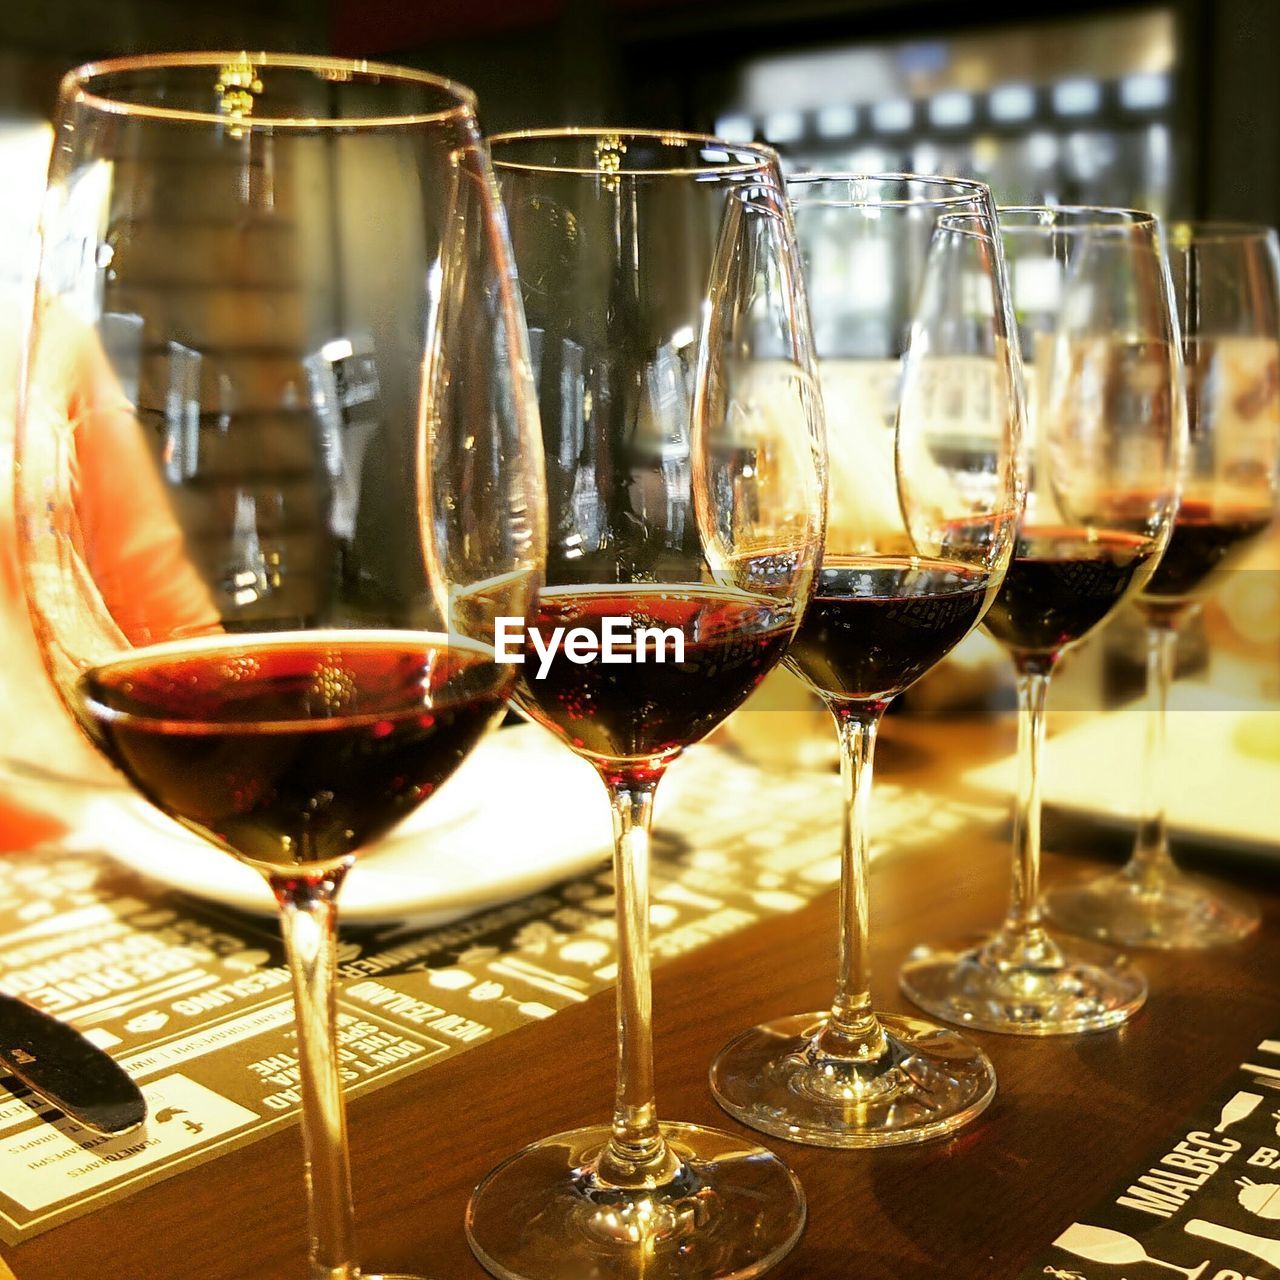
[(1071, 1118)]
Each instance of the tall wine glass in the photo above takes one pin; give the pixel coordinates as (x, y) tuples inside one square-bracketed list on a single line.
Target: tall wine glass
[(913, 332), (279, 464), (1226, 279), (683, 431), (1104, 451)]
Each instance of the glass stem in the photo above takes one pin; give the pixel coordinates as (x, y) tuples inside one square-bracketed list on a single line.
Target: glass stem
[(853, 1031), (637, 1156), (1151, 863), (308, 922), (1023, 941)]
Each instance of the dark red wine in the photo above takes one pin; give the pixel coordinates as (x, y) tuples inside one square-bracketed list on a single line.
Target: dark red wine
[(875, 626), (1061, 583), (1204, 538), (642, 710), (297, 750)]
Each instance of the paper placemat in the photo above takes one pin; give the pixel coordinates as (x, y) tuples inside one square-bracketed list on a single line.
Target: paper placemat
[(1206, 1204), (194, 998)]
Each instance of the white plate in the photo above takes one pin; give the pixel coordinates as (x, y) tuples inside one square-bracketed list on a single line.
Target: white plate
[(520, 813), (1222, 779)]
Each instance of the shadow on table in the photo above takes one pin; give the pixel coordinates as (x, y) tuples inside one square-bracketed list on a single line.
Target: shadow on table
[(986, 1202)]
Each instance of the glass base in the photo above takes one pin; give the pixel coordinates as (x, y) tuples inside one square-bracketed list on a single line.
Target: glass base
[(1068, 989), (1172, 912), (929, 1082), (733, 1211)]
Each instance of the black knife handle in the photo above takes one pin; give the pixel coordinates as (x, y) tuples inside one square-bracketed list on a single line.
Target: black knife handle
[(55, 1061)]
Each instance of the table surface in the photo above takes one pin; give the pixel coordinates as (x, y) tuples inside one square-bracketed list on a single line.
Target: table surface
[(1072, 1115)]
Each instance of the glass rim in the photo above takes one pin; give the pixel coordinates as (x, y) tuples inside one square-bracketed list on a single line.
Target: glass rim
[(764, 158), (966, 191), (1184, 232), (78, 86), (1080, 218)]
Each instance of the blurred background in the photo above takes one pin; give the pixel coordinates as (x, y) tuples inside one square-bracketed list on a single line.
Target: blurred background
[(1173, 106)]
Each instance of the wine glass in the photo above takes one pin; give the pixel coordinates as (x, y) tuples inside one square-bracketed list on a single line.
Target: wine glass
[(1104, 452), (918, 362), (682, 426), (1101, 1244), (279, 469), (1226, 281)]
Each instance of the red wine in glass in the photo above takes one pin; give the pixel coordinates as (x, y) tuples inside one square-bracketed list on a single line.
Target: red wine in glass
[(648, 705), (875, 626), (1061, 583), (297, 751), (1205, 537)]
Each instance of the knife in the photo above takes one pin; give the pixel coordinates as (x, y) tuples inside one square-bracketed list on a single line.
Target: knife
[(55, 1061)]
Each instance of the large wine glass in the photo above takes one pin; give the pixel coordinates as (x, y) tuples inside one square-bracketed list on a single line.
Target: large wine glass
[(919, 370), (1104, 453), (683, 432), (279, 469), (1226, 280)]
